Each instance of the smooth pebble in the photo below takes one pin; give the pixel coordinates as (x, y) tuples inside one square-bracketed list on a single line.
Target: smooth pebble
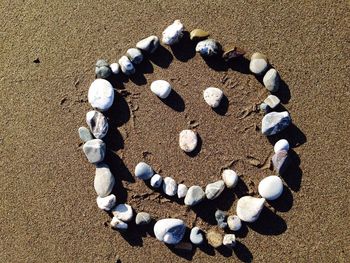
[(272, 101), (97, 123), (220, 217), (270, 187), (213, 190), (234, 223), (126, 66), (249, 208), (275, 122), (188, 140), (101, 94), (115, 67), (148, 44), (173, 33), (196, 236), (106, 203), (213, 96), (104, 180), (258, 63), (181, 190), (118, 224), (85, 134), (143, 218), (214, 238), (134, 55), (208, 47), (198, 34), (229, 240), (271, 80), (161, 88), (280, 145), (156, 181), (195, 195), (143, 171), (170, 230), (123, 212), (280, 161), (169, 186), (230, 178), (95, 150), (102, 69)]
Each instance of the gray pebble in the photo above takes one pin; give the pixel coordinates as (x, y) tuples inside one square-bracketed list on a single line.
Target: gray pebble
[(156, 181), (102, 69), (220, 217), (280, 161), (97, 123), (271, 80), (275, 122), (104, 180), (149, 44), (195, 195), (84, 134), (95, 150), (142, 218), (135, 55), (272, 101), (213, 190), (143, 171), (196, 236)]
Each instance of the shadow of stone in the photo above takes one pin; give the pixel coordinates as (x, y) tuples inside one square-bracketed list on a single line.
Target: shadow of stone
[(174, 101), (284, 203), (283, 92), (185, 49), (241, 188), (225, 251), (240, 64), (119, 113), (207, 249), (242, 252), (198, 148), (216, 63), (161, 57), (145, 67), (268, 223), (183, 253), (223, 107), (292, 134), (293, 174)]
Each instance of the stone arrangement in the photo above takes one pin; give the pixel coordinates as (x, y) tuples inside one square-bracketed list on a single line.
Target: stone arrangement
[(172, 230)]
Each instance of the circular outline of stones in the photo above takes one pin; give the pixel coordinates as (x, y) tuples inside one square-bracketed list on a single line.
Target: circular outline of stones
[(171, 231)]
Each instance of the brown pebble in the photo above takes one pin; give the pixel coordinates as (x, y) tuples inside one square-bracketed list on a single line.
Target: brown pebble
[(233, 52), (198, 34), (214, 238)]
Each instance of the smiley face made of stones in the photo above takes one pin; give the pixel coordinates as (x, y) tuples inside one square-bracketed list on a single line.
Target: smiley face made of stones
[(172, 230)]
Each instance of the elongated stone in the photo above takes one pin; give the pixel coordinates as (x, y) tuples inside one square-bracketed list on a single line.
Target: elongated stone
[(275, 122), (195, 195), (198, 34), (280, 161), (143, 218), (134, 55), (181, 190), (271, 80), (173, 33), (230, 178), (169, 186), (149, 44), (126, 66), (169, 230), (220, 217), (97, 123), (84, 134), (104, 180), (118, 224), (213, 190)]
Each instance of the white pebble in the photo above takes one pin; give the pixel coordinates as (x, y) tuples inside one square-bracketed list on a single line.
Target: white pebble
[(118, 224), (126, 66), (181, 190), (258, 63), (188, 140), (148, 44), (156, 181), (270, 187), (115, 67), (106, 203), (169, 230), (123, 212), (230, 178), (213, 96), (161, 88), (272, 101), (249, 208), (101, 94), (229, 240), (134, 55), (234, 223), (213, 190), (169, 186), (271, 80), (282, 144), (173, 33)]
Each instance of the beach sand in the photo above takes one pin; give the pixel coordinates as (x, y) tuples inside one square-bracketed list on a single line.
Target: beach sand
[(48, 211)]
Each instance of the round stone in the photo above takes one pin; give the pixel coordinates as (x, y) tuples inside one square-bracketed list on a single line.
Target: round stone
[(169, 186), (134, 55), (213, 190), (115, 67), (106, 203), (84, 134), (143, 171), (196, 236), (101, 94), (173, 33), (104, 180), (102, 69), (149, 44), (270, 187), (195, 195), (198, 34), (258, 63), (181, 190), (161, 88), (142, 218), (213, 96), (220, 217), (208, 47), (214, 238), (271, 80), (156, 181), (170, 230), (123, 212), (95, 150), (249, 208), (275, 122), (234, 223), (230, 178), (280, 145), (118, 224), (229, 240), (97, 123), (126, 66), (188, 140)]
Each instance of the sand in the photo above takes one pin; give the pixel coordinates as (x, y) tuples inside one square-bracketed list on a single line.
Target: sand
[(48, 211)]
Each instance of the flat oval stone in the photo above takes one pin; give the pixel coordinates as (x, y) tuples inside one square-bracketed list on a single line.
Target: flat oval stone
[(229, 240), (213, 190), (214, 238), (282, 144), (149, 44), (102, 69), (170, 230), (271, 80), (118, 224), (115, 67), (220, 217), (106, 203), (188, 140), (101, 94), (196, 236), (156, 181), (230, 178), (213, 96), (142, 218), (181, 190), (123, 212), (234, 223), (84, 134), (272, 101), (275, 122), (195, 195), (198, 34), (134, 55), (104, 180), (95, 150), (249, 208), (161, 88), (173, 33), (270, 187), (280, 161), (97, 123), (232, 53), (126, 66), (208, 47), (258, 63), (143, 171), (169, 186)]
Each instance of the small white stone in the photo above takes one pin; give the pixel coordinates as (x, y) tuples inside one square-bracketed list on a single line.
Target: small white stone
[(181, 190), (126, 66), (115, 67), (188, 140), (230, 178), (234, 223), (173, 33), (213, 96), (270, 187), (134, 55), (282, 144), (213, 190), (148, 44), (275, 122), (123, 212), (118, 224), (229, 240), (101, 94), (194, 195), (156, 181), (169, 186), (208, 47), (104, 180), (272, 101), (249, 208), (161, 88), (258, 63), (169, 230), (106, 203), (271, 80)]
